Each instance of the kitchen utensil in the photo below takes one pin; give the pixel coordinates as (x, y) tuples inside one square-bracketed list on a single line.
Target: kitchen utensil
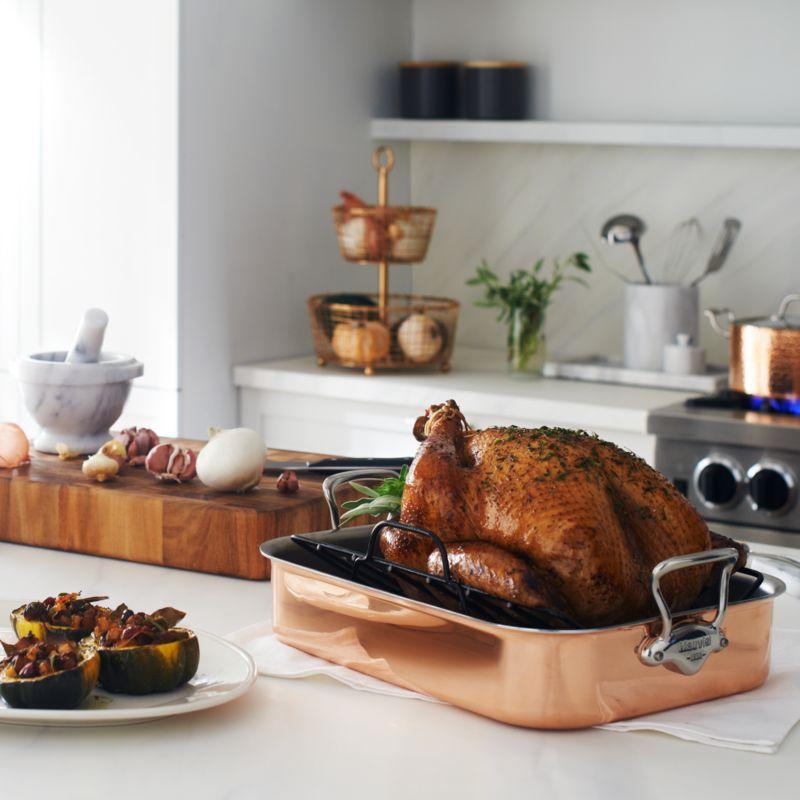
[(627, 229), (654, 316), (725, 241), (89, 339), (764, 351), (334, 597), (495, 89), (683, 357), (225, 673), (50, 503), (75, 403), (682, 251), (429, 89), (330, 465)]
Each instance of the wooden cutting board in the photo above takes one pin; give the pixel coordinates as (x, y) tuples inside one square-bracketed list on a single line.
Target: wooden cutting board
[(50, 503)]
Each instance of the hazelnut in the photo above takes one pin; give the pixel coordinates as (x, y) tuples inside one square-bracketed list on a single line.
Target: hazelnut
[(287, 482)]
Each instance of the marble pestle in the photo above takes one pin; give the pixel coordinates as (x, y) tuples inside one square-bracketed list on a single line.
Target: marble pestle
[(89, 339)]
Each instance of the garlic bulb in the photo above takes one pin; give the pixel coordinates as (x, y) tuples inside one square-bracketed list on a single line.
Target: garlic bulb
[(14, 447), (232, 461)]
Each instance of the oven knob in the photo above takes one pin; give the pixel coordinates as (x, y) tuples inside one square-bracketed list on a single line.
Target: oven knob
[(717, 484), (770, 488)]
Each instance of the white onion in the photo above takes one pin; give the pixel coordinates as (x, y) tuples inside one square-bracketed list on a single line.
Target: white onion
[(232, 461)]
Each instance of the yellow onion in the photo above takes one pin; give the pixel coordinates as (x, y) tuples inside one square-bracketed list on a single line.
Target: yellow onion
[(14, 446)]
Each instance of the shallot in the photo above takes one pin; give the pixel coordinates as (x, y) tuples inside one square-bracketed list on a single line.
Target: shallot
[(14, 447), (106, 462)]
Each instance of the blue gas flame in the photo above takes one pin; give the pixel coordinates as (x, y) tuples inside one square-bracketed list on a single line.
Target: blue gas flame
[(782, 405)]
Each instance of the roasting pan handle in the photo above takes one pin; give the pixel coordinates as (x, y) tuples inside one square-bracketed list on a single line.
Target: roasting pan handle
[(685, 648), (333, 482)]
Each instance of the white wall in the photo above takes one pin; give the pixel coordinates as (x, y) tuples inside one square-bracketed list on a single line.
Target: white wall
[(20, 35), (632, 60), (275, 102), (686, 60), (202, 243), (97, 217)]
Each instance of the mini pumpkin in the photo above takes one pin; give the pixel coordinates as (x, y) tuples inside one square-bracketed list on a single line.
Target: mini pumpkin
[(420, 338), (361, 342)]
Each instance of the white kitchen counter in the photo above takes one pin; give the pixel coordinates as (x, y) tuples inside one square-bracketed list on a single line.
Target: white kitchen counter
[(315, 738), (298, 405)]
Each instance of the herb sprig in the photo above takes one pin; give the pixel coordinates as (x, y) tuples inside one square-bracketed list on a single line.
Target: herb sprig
[(526, 290), (385, 498)]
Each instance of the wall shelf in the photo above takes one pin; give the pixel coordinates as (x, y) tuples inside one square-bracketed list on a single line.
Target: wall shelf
[(771, 137)]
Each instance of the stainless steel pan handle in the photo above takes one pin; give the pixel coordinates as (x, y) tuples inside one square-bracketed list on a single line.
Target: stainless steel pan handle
[(713, 315), (685, 648), (332, 482)]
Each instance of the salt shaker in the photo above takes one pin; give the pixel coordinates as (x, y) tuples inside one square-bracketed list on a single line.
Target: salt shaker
[(683, 357)]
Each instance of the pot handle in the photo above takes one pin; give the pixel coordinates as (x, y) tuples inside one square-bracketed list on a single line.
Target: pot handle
[(713, 315), (785, 303), (684, 648), (333, 482)]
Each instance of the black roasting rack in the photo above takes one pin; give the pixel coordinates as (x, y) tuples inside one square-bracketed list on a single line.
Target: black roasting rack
[(366, 567)]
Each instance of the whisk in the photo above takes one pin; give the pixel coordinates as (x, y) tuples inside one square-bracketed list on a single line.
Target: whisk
[(682, 251)]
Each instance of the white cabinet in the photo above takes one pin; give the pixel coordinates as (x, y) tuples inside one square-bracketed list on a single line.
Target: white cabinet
[(297, 405)]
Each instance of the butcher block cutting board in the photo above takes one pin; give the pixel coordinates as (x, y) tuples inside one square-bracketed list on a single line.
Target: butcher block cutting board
[(50, 503)]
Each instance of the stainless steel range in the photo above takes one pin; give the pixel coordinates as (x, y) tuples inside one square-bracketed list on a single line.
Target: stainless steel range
[(739, 467)]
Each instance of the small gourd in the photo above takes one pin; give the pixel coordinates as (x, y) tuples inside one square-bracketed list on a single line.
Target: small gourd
[(361, 342)]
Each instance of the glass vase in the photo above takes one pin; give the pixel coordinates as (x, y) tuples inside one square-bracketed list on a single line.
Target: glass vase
[(526, 342)]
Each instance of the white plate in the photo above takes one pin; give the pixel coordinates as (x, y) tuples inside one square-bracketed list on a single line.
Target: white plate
[(225, 673)]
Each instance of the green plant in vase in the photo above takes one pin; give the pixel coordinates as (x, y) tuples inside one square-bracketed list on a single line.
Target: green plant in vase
[(522, 302)]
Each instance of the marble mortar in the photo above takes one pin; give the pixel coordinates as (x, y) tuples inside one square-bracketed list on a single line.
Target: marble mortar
[(75, 403)]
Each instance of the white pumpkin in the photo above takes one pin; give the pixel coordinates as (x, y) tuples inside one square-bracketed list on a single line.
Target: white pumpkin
[(361, 342), (420, 338)]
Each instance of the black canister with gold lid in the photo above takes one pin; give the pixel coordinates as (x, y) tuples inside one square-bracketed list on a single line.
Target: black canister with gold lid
[(495, 89), (429, 89)]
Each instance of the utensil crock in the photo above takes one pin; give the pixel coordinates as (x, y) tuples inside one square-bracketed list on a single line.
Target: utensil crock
[(655, 314)]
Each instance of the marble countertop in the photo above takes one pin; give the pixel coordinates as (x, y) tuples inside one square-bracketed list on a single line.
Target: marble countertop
[(316, 738), (479, 381)]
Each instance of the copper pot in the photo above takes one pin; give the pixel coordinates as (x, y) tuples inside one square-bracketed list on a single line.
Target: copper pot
[(764, 351)]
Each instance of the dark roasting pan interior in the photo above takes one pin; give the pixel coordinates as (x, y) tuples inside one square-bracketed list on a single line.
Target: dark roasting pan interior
[(352, 554)]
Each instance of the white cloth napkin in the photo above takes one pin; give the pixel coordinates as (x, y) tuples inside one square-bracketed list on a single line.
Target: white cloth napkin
[(758, 720)]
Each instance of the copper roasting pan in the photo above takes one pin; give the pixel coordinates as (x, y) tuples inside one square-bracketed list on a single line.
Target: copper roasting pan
[(524, 676), (528, 676)]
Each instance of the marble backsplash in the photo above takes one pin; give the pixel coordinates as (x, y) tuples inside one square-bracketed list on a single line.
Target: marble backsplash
[(512, 204)]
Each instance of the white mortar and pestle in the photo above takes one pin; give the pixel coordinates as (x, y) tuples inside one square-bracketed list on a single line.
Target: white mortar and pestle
[(77, 395)]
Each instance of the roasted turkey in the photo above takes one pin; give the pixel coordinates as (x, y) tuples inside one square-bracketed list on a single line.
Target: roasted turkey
[(546, 517)]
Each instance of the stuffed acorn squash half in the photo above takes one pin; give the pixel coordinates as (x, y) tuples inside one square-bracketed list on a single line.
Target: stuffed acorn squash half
[(37, 674), (65, 616), (145, 653)]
